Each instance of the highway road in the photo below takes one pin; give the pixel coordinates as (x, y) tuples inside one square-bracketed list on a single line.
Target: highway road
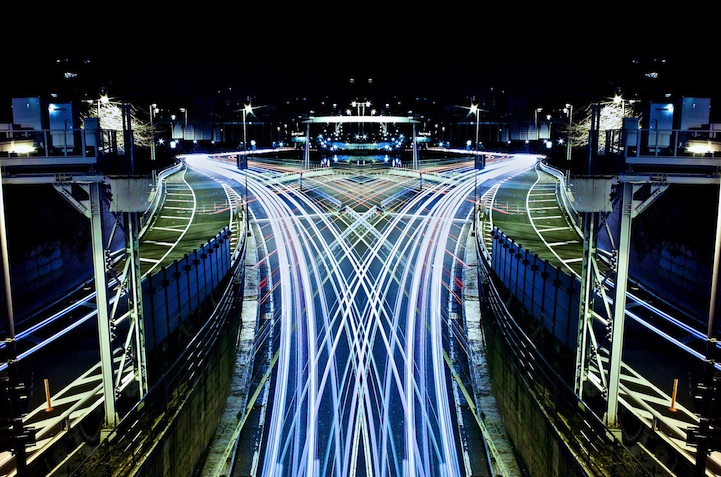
[(362, 290)]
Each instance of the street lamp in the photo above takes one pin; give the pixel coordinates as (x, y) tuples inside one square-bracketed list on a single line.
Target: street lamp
[(247, 109), (475, 110), (569, 111), (102, 100), (619, 99), (535, 121), (153, 111), (185, 122)]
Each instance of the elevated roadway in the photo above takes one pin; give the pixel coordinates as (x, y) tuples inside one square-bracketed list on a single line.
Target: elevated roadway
[(664, 345), (525, 204), (194, 208)]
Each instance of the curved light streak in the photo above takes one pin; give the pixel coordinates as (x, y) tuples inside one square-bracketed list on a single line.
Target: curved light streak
[(361, 381)]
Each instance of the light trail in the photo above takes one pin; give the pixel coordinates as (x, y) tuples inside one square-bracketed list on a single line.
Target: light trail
[(361, 382)]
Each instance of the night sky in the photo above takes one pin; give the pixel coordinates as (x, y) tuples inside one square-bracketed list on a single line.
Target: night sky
[(441, 51)]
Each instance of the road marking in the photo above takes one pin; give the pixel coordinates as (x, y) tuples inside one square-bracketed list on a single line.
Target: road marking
[(567, 242), (170, 229), (572, 260)]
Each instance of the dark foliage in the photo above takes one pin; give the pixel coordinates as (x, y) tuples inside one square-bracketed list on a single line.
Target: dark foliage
[(682, 220), (40, 221)]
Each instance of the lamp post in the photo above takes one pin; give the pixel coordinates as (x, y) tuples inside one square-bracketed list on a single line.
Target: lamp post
[(185, 122), (475, 110), (569, 111), (246, 109), (535, 121), (153, 110)]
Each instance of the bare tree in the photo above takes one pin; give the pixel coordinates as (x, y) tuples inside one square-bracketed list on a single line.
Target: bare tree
[(611, 115), (110, 116)]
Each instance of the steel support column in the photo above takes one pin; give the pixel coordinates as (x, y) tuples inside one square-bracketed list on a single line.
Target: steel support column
[(709, 382), (619, 305), (101, 297), (584, 313), (14, 384), (136, 293)]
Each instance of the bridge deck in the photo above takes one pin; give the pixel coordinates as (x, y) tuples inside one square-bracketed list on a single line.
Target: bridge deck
[(525, 209), (196, 209)]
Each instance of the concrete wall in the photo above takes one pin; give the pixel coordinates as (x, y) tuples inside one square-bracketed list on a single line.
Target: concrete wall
[(553, 432), (183, 447), (539, 446)]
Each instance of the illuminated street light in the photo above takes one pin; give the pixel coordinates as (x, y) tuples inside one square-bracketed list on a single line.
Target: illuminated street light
[(247, 109), (535, 121), (619, 99), (569, 110), (185, 122), (153, 111), (475, 110), (102, 100)]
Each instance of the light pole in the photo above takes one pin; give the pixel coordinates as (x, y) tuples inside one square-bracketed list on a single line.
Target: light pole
[(535, 121), (185, 122), (569, 111), (246, 109), (475, 110), (153, 110)]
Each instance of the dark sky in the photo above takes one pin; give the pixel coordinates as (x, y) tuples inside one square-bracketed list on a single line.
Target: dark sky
[(274, 50)]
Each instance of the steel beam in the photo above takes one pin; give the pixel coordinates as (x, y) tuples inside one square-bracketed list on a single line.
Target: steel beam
[(619, 306), (101, 290)]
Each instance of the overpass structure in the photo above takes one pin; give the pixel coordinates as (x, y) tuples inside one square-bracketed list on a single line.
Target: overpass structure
[(585, 317), (585, 199), (67, 161), (97, 177)]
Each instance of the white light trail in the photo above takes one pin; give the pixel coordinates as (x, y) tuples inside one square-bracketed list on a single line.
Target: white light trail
[(361, 381)]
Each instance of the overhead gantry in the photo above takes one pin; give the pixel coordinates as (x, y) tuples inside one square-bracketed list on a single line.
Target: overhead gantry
[(362, 119)]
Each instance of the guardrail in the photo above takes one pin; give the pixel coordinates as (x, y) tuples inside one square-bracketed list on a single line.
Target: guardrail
[(57, 143), (688, 146), (157, 196), (588, 445), (562, 196)]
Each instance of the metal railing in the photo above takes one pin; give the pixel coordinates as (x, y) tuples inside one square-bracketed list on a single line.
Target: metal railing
[(79, 142), (589, 448), (664, 143)]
